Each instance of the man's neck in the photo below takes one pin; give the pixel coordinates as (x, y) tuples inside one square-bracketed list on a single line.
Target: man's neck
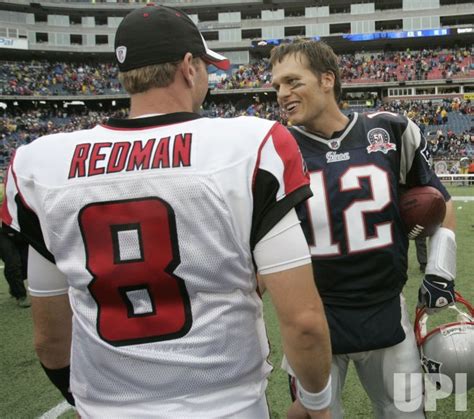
[(328, 123), (158, 101)]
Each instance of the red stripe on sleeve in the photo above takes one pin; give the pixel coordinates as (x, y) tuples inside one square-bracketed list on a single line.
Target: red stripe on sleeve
[(6, 216), (295, 174), (259, 156)]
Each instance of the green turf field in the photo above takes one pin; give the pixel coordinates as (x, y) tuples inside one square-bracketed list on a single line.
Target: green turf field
[(25, 392)]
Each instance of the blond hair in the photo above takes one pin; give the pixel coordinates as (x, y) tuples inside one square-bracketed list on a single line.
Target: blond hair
[(141, 79)]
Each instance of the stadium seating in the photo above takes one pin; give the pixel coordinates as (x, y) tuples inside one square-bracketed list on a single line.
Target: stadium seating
[(447, 141), (40, 78)]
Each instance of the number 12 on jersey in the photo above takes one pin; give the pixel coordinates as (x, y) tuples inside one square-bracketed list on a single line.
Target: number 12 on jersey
[(131, 252), (353, 215)]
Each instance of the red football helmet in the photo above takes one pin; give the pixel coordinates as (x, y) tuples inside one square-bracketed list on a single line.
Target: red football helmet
[(447, 349)]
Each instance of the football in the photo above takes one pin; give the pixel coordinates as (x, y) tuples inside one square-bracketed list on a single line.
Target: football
[(422, 209)]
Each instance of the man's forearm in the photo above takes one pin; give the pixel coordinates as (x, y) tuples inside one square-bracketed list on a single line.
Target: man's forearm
[(303, 325), (450, 218), (52, 319), (308, 351)]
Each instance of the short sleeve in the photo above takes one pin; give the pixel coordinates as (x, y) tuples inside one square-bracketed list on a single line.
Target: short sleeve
[(419, 171), (280, 181)]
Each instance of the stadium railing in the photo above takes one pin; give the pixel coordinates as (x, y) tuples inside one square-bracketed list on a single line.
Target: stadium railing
[(457, 179)]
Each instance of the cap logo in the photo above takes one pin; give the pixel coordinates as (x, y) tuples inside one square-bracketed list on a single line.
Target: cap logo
[(121, 53)]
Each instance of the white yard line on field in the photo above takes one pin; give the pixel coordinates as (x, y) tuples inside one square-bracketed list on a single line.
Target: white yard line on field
[(56, 411), (463, 198)]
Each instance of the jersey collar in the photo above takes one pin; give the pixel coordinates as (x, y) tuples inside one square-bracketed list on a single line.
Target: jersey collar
[(151, 121), (335, 141)]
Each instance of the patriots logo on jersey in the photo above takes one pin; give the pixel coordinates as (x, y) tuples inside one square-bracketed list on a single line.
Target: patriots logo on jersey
[(379, 140), (334, 144)]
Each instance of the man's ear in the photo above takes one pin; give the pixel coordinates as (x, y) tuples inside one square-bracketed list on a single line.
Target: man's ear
[(327, 80), (188, 70)]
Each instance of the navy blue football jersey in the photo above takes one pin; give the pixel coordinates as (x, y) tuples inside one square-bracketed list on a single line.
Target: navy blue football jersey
[(353, 225)]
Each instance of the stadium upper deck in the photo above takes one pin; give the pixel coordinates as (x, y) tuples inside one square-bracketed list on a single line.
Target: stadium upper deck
[(237, 26), (82, 31), (43, 78)]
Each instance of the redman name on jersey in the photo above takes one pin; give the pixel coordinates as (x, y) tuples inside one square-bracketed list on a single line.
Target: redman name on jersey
[(106, 157)]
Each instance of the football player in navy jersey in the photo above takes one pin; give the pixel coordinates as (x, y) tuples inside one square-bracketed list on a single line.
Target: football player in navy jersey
[(358, 164)]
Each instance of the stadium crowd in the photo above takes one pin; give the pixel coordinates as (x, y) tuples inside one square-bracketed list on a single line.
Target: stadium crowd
[(447, 141), (264, 109), (380, 67), (38, 78), (444, 141), (407, 65), (18, 128), (429, 113)]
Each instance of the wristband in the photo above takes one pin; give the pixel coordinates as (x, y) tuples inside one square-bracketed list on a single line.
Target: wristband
[(314, 401), (60, 378)]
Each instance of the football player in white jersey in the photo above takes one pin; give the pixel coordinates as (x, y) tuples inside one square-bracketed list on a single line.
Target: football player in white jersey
[(146, 237), (358, 165)]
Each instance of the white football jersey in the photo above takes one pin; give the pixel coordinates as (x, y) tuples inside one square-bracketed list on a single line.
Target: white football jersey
[(153, 222)]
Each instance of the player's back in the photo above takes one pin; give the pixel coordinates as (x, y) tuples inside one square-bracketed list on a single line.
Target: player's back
[(152, 221)]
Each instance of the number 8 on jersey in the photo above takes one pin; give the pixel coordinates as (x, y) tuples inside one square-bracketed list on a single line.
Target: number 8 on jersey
[(132, 251)]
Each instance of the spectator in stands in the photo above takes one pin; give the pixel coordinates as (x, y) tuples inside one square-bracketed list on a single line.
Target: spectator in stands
[(464, 164), (470, 171), (444, 116), (11, 248)]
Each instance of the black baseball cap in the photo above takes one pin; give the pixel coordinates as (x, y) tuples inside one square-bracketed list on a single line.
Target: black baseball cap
[(159, 34)]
